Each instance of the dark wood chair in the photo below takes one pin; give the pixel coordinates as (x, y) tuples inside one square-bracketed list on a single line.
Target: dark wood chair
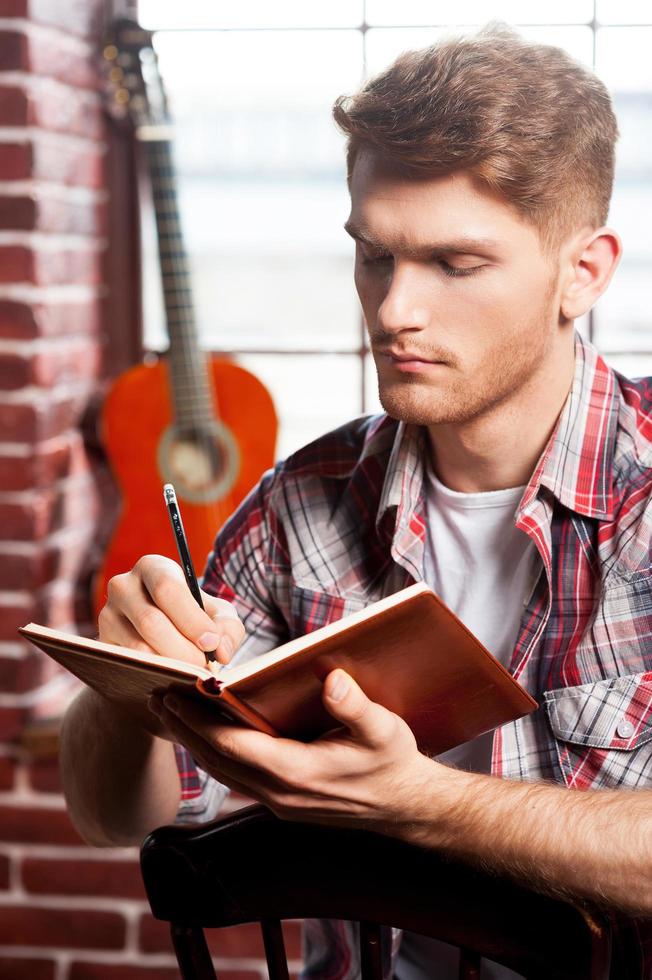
[(250, 866)]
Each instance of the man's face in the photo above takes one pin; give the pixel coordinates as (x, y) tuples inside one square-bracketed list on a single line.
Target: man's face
[(459, 300)]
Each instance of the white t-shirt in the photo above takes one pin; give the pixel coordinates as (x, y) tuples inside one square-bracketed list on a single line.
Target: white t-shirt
[(484, 569)]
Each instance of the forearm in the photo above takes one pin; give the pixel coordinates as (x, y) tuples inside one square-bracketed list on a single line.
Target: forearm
[(119, 780), (566, 843)]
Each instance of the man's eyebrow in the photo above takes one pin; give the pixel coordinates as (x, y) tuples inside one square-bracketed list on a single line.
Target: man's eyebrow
[(464, 243)]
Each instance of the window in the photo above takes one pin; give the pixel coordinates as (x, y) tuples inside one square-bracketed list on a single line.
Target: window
[(262, 188)]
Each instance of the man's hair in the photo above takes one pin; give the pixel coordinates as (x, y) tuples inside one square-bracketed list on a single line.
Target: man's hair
[(526, 119)]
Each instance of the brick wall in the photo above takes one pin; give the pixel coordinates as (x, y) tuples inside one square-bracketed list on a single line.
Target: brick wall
[(67, 911)]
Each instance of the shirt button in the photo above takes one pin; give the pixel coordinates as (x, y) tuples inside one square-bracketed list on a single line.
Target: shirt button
[(625, 729)]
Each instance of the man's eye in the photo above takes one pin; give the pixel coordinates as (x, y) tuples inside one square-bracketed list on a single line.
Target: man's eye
[(455, 271)]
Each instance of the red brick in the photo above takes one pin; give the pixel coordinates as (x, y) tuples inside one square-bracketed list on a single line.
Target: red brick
[(36, 825), (20, 263), (53, 460), (20, 674), (81, 928), (53, 159), (4, 871), (44, 775), (121, 879), (14, 106), (46, 55), (16, 161), (41, 419), (24, 320), (50, 509), (8, 766), (52, 107), (128, 971), (61, 559), (53, 214), (77, 16), (22, 968), (78, 360), (76, 167)]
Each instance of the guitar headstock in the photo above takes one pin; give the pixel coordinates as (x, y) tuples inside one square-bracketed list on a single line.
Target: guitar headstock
[(134, 88)]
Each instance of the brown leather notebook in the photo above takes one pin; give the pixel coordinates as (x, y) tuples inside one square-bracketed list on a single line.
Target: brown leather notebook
[(408, 651)]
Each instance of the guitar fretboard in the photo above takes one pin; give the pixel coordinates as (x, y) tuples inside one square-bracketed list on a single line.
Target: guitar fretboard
[(194, 402)]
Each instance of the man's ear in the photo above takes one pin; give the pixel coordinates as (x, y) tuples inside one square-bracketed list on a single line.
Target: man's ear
[(590, 263)]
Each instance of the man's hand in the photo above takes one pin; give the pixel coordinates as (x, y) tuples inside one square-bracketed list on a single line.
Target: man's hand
[(362, 774), (151, 608)]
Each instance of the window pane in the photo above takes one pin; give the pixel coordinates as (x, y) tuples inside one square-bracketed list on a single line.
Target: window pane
[(622, 314), (385, 44), (631, 365), (477, 12), (372, 401), (262, 186), (312, 393), (624, 12), (195, 14)]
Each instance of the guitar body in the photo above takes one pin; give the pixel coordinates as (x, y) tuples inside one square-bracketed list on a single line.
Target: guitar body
[(147, 449)]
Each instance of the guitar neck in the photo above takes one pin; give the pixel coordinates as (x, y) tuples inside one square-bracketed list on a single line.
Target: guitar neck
[(191, 392)]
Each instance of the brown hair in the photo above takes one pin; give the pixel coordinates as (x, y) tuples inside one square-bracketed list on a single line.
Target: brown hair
[(526, 119)]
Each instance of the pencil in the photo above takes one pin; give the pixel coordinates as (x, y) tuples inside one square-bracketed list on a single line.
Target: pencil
[(174, 514)]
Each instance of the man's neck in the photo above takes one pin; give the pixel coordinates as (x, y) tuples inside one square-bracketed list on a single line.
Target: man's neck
[(501, 448)]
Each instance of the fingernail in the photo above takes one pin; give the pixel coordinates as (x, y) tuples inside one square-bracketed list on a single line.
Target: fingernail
[(339, 688), (208, 641), (170, 702), (226, 646), (154, 705)]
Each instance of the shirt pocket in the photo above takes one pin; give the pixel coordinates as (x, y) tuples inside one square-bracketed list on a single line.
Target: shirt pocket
[(312, 608), (603, 732)]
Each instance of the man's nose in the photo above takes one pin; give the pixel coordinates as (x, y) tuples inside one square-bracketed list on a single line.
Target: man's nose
[(405, 306)]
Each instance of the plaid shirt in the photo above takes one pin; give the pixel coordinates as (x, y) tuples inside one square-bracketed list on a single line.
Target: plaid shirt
[(341, 523)]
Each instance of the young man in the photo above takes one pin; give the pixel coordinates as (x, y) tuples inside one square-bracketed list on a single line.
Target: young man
[(511, 471)]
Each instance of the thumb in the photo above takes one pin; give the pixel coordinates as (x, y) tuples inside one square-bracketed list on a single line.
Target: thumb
[(347, 702)]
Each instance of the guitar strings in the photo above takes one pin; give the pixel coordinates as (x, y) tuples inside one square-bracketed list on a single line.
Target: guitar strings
[(194, 395)]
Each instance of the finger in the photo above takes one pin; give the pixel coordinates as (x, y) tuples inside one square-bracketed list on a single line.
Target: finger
[(346, 701), (245, 778), (116, 628), (130, 599), (228, 625)]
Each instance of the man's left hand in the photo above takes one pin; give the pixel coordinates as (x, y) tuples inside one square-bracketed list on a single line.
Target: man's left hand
[(368, 773)]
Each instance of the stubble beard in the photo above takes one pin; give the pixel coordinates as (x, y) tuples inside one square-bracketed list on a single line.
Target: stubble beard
[(471, 392)]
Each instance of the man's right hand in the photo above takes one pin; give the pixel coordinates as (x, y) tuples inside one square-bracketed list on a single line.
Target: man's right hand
[(151, 608)]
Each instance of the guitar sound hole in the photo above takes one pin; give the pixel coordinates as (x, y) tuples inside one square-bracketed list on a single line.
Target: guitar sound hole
[(202, 465)]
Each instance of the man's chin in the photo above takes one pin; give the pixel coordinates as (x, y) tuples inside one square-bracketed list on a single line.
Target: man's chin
[(419, 407)]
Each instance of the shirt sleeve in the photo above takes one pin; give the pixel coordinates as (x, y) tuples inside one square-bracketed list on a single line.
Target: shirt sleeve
[(239, 570)]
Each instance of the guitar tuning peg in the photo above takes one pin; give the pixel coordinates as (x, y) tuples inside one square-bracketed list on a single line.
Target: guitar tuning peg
[(110, 52), (122, 96), (116, 74)]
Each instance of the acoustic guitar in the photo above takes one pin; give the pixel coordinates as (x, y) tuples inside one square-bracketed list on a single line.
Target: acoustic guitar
[(198, 421)]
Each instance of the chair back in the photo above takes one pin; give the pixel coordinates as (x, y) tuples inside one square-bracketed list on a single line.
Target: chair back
[(250, 866)]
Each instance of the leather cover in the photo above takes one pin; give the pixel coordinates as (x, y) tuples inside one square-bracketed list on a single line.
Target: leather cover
[(417, 659)]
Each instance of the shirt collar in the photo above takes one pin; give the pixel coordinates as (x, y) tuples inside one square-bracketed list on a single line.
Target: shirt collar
[(576, 465)]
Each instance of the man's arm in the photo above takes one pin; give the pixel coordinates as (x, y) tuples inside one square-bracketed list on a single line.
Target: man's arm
[(563, 842), (119, 772), (370, 774), (120, 780)]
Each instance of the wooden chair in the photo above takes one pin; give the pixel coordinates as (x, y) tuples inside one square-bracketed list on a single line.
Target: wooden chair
[(250, 866)]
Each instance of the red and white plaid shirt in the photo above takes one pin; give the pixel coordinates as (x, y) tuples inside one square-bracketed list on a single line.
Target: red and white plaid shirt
[(341, 523)]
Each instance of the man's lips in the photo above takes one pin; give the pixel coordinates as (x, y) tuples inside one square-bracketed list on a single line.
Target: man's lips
[(401, 358)]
